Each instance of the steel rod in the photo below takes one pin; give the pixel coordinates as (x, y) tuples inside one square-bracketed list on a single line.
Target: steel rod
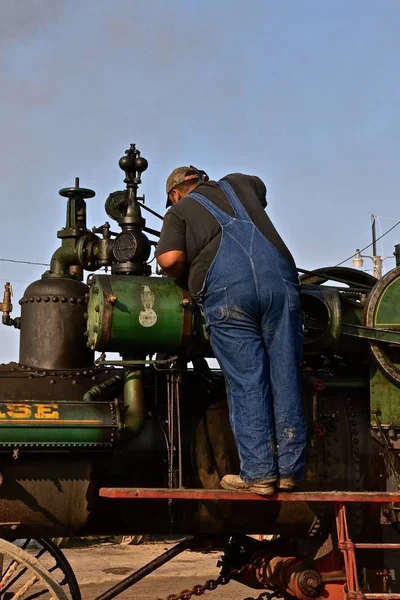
[(377, 546), (330, 277), (133, 578), (382, 596)]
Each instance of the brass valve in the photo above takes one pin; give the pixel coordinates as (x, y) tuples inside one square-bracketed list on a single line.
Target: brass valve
[(6, 306)]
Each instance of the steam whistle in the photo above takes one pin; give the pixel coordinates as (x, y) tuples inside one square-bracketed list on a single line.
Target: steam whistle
[(6, 308)]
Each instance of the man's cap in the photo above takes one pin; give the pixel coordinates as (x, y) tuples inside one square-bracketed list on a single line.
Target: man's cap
[(181, 174)]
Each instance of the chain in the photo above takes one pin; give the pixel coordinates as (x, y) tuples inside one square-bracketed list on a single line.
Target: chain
[(266, 596), (211, 584)]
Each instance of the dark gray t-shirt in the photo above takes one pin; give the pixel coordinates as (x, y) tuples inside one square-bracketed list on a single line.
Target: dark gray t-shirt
[(191, 228)]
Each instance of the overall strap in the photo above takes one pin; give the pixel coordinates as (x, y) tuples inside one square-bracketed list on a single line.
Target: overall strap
[(222, 217), (234, 201)]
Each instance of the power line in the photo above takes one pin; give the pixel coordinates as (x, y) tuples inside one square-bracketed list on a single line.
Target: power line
[(24, 262), (369, 245)]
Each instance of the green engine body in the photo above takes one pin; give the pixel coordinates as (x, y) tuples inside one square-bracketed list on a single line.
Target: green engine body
[(136, 315)]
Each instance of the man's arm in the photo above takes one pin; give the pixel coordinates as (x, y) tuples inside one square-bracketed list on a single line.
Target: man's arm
[(171, 248), (173, 263)]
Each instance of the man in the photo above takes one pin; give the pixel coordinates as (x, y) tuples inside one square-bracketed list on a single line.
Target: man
[(242, 275)]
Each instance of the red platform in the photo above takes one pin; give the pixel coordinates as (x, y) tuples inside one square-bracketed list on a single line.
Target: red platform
[(219, 494)]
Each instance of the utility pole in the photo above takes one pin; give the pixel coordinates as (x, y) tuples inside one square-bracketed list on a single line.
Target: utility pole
[(377, 260)]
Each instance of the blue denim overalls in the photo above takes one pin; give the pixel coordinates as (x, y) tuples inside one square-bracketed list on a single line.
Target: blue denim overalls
[(250, 299)]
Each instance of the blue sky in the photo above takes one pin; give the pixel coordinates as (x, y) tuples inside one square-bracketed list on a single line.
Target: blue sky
[(303, 93)]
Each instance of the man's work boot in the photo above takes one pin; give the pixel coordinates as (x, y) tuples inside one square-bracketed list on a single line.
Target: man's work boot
[(234, 482), (287, 484)]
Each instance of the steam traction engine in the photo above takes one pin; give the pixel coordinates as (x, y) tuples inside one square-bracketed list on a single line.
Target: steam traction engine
[(139, 444)]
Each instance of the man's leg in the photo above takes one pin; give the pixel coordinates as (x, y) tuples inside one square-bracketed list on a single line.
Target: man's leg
[(238, 346), (283, 337)]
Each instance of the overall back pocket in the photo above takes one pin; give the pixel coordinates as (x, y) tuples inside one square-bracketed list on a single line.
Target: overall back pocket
[(215, 306), (293, 296)]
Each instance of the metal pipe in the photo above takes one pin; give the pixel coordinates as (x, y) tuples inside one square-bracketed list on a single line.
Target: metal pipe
[(177, 395), (61, 261), (133, 363), (151, 211), (373, 225), (97, 390), (134, 402), (146, 570)]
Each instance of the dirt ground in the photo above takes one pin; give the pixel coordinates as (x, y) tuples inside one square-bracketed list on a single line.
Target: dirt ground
[(98, 567)]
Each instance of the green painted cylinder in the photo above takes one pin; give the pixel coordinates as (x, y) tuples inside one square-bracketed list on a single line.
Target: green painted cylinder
[(138, 315)]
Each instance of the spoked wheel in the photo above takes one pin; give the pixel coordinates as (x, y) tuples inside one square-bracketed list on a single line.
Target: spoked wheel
[(41, 571)]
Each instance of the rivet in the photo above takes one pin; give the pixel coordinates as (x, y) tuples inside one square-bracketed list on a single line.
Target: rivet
[(31, 299), (64, 299), (80, 300), (26, 300), (77, 373), (74, 382), (85, 372), (52, 381), (46, 299), (72, 300), (55, 299), (39, 299)]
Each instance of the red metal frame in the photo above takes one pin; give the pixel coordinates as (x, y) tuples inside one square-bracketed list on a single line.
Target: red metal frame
[(348, 548)]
